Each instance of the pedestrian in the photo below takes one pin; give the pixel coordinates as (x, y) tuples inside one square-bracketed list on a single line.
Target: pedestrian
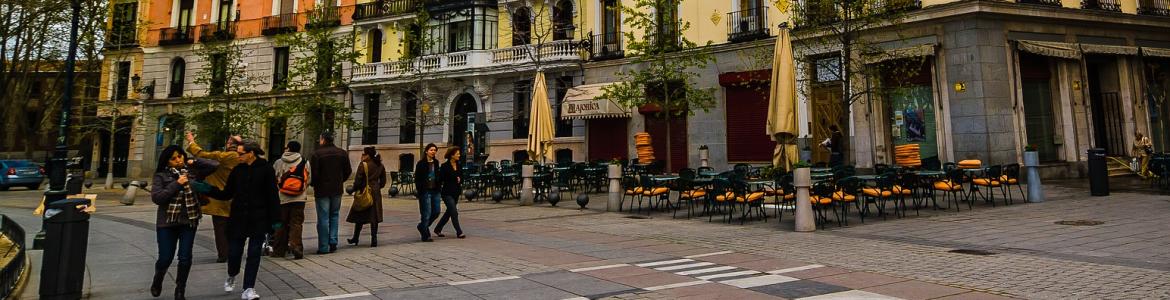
[(331, 168), (293, 176), (219, 209), (255, 212), (451, 176), (178, 214), (426, 186), (836, 154), (369, 172), (1142, 149)]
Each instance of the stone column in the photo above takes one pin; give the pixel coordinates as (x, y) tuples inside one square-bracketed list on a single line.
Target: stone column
[(527, 194), (805, 220), (614, 173)]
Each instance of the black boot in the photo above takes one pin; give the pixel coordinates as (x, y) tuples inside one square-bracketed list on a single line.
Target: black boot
[(181, 281), (156, 284), (357, 230), (373, 235)]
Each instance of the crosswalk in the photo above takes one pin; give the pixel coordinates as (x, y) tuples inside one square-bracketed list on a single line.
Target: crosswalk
[(708, 272)]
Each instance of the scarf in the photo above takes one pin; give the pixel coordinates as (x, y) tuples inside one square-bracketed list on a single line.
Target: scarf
[(184, 208)]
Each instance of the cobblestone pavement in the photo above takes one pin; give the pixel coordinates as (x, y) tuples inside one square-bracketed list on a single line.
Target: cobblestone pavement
[(540, 252)]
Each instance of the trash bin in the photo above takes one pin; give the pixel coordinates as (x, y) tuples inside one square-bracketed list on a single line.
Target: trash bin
[(1098, 173), (66, 240)]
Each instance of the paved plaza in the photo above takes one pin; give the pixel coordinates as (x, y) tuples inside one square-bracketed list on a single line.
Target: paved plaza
[(542, 252)]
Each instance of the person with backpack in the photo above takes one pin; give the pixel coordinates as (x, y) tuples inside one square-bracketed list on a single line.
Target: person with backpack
[(370, 173), (293, 176)]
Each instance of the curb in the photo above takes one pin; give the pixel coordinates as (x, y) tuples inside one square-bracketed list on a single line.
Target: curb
[(24, 275)]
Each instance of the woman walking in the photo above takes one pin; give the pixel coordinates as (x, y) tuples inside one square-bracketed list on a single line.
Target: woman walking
[(370, 172), (255, 212), (451, 175), (426, 186), (178, 214)]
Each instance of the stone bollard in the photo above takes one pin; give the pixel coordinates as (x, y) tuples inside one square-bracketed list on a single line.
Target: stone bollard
[(802, 180), (131, 192), (1035, 188), (527, 194), (614, 173)]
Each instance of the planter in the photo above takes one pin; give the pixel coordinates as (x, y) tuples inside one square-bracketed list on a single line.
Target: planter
[(1032, 166)]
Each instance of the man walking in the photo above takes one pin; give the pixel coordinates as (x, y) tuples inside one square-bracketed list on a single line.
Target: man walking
[(219, 209), (330, 166), (293, 176)]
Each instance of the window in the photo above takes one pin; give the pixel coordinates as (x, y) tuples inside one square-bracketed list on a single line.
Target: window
[(326, 70), (122, 85), (375, 45), (563, 20), (218, 74), (186, 14), (407, 123), (178, 73), (123, 24), (828, 69), (413, 46), (522, 27), (280, 68), (370, 126), (564, 127), (668, 23), (612, 23), (521, 96), (225, 11)]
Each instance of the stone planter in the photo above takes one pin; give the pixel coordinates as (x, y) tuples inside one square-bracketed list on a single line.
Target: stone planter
[(1032, 166)]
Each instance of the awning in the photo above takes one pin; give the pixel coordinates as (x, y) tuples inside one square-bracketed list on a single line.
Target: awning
[(1156, 52), (900, 53), (1053, 49), (582, 102), (1108, 49)]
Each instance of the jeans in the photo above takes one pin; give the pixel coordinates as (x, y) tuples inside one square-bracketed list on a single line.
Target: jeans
[(428, 209), (288, 237), (253, 263), (184, 236), (451, 213), (328, 209)]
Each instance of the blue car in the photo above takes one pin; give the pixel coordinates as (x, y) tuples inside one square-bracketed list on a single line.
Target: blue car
[(20, 173)]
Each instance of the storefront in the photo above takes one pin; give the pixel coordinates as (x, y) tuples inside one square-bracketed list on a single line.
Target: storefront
[(606, 122)]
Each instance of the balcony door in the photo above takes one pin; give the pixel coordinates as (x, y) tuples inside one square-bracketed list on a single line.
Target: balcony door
[(186, 15), (611, 24), (286, 7)]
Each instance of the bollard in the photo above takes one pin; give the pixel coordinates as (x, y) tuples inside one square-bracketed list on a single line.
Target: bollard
[(131, 192), (802, 180), (1035, 188), (614, 173), (527, 195)]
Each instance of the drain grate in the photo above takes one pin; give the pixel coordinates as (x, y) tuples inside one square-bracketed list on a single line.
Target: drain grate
[(637, 217), (1079, 222), (972, 252)]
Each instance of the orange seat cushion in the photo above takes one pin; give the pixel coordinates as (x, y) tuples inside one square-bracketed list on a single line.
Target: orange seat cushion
[(820, 200), (771, 191), (946, 185), (656, 191), (755, 196), (901, 190), (985, 182), (1005, 180), (693, 194), (634, 191), (842, 196), (875, 192), (725, 196)]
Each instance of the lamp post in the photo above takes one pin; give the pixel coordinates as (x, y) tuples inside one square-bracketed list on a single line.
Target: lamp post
[(57, 189)]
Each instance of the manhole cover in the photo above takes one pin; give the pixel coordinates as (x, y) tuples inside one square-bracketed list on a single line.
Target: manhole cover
[(637, 217), (1079, 222), (972, 252)]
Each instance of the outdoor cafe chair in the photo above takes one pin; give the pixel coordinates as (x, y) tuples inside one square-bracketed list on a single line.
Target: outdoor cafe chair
[(879, 194), (990, 180), (952, 188), (747, 199), (655, 191), (630, 188), (688, 192), (782, 192), (562, 181), (848, 189), (909, 185), (1011, 177), (721, 189), (821, 196)]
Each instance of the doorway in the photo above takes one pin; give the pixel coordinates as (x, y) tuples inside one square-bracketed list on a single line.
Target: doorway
[(1039, 111), (463, 105), (121, 140), (1108, 113)]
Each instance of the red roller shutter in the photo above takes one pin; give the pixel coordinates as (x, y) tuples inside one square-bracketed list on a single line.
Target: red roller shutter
[(747, 116), (607, 139)]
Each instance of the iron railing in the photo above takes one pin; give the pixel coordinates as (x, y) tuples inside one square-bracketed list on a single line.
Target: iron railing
[(176, 35), (1154, 7), (10, 273), (812, 13), (893, 6), (279, 24), (747, 25), (1109, 5), (1041, 2), (607, 46), (384, 8), (217, 32), (329, 16)]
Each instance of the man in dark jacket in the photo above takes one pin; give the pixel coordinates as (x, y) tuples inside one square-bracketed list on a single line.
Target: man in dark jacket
[(330, 168), (255, 212)]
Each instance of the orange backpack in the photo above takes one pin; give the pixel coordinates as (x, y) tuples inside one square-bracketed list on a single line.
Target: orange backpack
[(292, 183)]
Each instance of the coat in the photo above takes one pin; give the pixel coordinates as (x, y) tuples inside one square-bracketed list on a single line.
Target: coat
[(450, 177), (220, 207), (165, 187), (331, 169), (376, 176), (255, 205), (286, 162), (421, 171)]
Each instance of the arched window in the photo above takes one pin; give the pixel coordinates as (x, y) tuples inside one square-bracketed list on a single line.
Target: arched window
[(178, 73), (522, 27), (563, 20), (375, 45)]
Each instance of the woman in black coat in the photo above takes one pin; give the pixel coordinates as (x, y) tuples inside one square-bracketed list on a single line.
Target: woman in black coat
[(178, 214), (451, 176), (255, 212)]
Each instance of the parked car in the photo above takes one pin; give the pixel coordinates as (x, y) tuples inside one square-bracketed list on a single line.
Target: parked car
[(20, 173)]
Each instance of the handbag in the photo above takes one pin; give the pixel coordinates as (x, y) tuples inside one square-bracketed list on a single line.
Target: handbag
[(364, 198)]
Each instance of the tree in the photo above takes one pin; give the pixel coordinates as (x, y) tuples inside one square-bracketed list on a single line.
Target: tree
[(415, 74), (664, 64), (230, 105), (29, 48)]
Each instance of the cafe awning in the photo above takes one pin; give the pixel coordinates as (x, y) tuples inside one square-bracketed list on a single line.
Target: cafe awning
[(900, 53), (584, 102), (1156, 52), (1053, 49), (1108, 49)]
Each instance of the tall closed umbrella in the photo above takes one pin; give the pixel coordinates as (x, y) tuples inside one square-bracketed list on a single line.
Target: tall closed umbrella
[(540, 128), (782, 103)]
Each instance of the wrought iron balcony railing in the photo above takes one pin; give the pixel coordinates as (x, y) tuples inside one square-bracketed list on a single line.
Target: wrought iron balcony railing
[(1041, 2), (812, 13), (329, 16), (279, 24), (176, 35), (217, 32), (1109, 5), (384, 8), (747, 25), (893, 6), (606, 46), (1154, 7)]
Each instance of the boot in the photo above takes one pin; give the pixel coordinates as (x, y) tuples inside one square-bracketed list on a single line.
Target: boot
[(357, 230), (156, 284), (373, 235), (181, 281)]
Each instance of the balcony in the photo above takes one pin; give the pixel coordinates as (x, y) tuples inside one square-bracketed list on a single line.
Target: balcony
[(217, 32), (279, 24), (1041, 2), (121, 38), (747, 25), (324, 17), (896, 6), (384, 8), (813, 13), (1154, 7), (606, 46), (1107, 5), (176, 36), (503, 60)]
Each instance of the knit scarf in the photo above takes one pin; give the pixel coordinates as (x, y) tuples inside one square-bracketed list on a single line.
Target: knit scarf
[(185, 201)]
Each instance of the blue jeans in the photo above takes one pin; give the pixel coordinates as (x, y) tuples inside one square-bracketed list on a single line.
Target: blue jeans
[(184, 236), (251, 266), (428, 210), (328, 209)]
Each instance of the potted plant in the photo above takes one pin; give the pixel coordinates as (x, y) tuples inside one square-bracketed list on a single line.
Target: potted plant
[(1031, 156)]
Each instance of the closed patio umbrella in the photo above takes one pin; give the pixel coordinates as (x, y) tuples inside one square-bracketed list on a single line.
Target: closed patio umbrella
[(782, 103), (540, 128)]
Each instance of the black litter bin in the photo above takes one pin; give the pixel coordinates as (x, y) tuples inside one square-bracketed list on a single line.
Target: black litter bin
[(66, 239), (1098, 173)]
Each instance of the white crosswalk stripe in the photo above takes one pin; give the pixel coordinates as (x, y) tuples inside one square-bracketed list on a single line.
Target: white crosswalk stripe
[(725, 275), (707, 270), (676, 285), (686, 266), (752, 282)]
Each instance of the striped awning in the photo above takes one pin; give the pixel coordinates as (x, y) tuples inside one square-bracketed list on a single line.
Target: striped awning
[(1053, 49), (1108, 49), (1156, 52), (900, 53), (585, 102)]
